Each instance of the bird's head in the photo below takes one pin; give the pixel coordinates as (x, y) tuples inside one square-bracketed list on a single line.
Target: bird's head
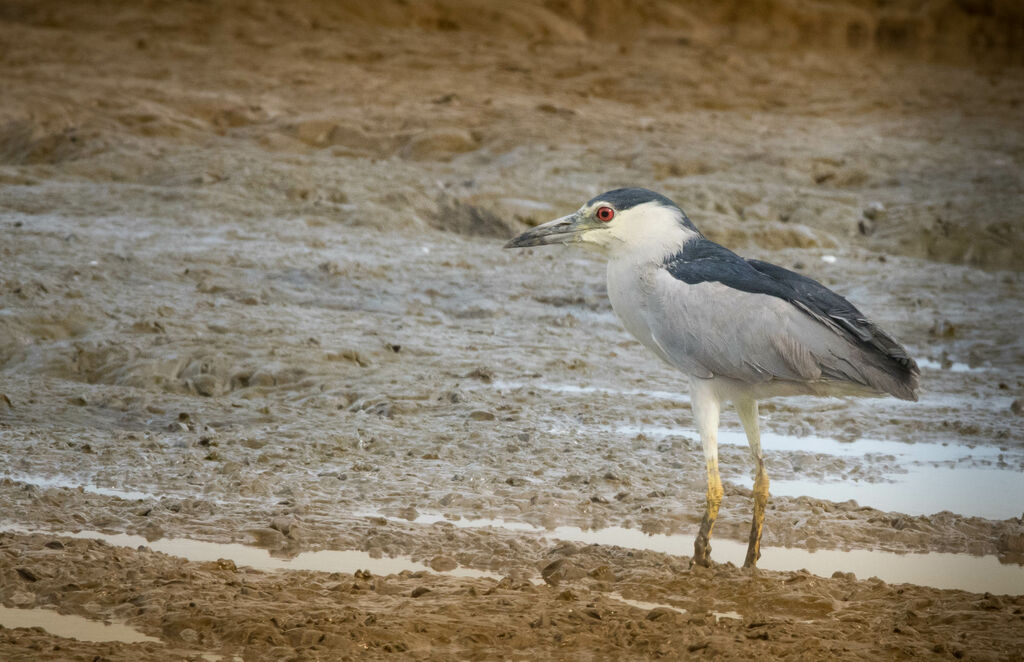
[(624, 221)]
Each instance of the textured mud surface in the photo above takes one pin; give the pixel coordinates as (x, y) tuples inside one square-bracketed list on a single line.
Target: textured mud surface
[(252, 290)]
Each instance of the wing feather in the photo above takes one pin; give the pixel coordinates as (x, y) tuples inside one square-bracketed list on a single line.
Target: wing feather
[(754, 321)]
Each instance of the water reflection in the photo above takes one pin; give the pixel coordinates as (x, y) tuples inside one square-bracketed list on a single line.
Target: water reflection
[(329, 560), (72, 627), (940, 570)]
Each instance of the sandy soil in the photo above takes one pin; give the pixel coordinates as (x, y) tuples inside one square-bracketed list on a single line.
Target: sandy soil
[(252, 290)]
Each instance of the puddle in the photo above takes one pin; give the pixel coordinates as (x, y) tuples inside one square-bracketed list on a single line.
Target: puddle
[(640, 604), (937, 477), (991, 493), (347, 561), (86, 484), (72, 627), (940, 570), (772, 441), (49, 482)]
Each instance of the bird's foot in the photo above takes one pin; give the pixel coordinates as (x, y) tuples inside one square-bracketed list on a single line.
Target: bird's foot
[(701, 552)]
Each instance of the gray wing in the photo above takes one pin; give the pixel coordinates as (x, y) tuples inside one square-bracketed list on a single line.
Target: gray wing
[(714, 313), (709, 329)]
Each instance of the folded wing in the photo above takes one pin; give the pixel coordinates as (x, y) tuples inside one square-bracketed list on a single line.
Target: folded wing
[(713, 313)]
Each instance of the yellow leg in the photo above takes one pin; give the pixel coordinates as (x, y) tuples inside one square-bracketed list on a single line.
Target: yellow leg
[(702, 545), (757, 524), (706, 408), (747, 410)]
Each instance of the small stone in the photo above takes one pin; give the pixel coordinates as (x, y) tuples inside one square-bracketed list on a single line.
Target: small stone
[(206, 385), (419, 590), (555, 110), (22, 599), (443, 563), (481, 415), (485, 375), (153, 531), (561, 570), (282, 524), (1017, 406), (190, 636), (661, 613), (262, 378), (874, 211), (543, 621), (267, 538)]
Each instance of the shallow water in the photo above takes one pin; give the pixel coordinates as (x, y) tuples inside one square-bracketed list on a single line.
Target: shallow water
[(773, 441), (61, 481), (347, 561), (72, 627), (983, 481), (990, 493), (643, 604), (941, 570)]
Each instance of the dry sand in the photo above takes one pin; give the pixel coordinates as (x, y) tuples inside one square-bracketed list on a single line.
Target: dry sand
[(252, 291)]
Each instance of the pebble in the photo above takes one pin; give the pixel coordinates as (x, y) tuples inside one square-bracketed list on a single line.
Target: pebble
[(269, 538), (659, 613), (443, 563), (561, 570), (22, 599), (206, 385), (190, 636), (874, 211)]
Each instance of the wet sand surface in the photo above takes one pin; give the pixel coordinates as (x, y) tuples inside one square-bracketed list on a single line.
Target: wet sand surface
[(271, 389)]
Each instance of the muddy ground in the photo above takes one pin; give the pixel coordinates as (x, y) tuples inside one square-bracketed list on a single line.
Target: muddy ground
[(252, 290)]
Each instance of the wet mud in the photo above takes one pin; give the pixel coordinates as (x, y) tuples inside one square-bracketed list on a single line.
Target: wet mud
[(258, 334)]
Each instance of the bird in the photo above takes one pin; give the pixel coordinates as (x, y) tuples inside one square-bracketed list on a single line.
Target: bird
[(742, 330)]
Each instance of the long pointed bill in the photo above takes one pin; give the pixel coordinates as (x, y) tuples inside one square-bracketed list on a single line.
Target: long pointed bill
[(559, 231)]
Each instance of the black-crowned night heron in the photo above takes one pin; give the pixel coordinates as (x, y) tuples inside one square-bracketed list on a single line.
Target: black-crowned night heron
[(741, 329)]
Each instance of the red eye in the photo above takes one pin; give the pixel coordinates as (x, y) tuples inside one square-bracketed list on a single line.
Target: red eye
[(605, 214)]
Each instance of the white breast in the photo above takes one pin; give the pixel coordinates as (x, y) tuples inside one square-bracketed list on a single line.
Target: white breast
[(629, 287)]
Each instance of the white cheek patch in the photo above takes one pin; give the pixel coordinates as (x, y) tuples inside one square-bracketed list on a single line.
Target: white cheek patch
[(648, 231)]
